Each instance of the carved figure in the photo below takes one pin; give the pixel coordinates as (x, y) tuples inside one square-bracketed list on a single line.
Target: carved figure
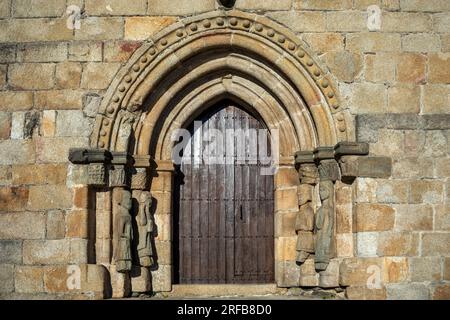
[(124, 232), (146, 228), (324, 226)]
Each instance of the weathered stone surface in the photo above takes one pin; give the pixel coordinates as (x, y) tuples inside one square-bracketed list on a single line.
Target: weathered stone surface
[(413, 217), (346, 21), (49, 197), (17, 152), (344, 245), (73, 123), (366, 189), (142, 28), (98, 75), (285, 248), (345, 65), (368, 98), (425, 269), (308, 275), (324, 42), (68, 75), (161, 278), (182, 7), (404, 99), (5, 9), (140, 280), (286, 177), (439, 69), (434, 244), (286, 199), (356, 271), (301, 21), (440, 292), (407, 291), (42, 52), (115, 7), (373, 42), (99, 28), (396, 269), (379, 67), (120, 51), (287, 274), (398, 244), (5, 125), (15, 100), (86, 51), (38, 8), (392, 191), (58, 99), (56, 227), (29, 279), (56, 149), (411, 68), (6, 278), (10, 252), (441, 22), (77, 224), (406, 22), (436, 98), (43, 76), (366, 244), (412, 168), (421, 42), (330, 277), (27, 225), (46, 251), (374, 217), (322, 4), (442, 217), (426, 191), (48, 123), (364, 293), (31, 30), (39, 174)]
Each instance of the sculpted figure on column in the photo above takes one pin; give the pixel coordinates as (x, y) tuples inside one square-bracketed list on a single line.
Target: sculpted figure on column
[(124, 232), (146, 228)]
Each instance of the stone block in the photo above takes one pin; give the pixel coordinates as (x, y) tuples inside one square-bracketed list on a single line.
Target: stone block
[(345, 65), (286, 177), (398, 244), (5, 9), (77, 224), (427, 191), (34, 30), (285, 248), (6, 278), (392, 191), (17, 152), (35, 174), (308, 21), (349, 21), (322, 5), (5, 125), (49, 197), (120, 51), (46, 251), (407, 291), (182, 7), (22, 225), (56, 227), (68, 75), (364, 293), (412, 168), (100, 28), (56, 149), (3, 72), (411, 68), (373, 217), (373, 42), (286, 225), (324, 42), (38, 8), (162, 278), (344, 245), (286, 199), (442, 218), (287, 274), (163, 252), (10, 252), (368, 98), (436, 99), (396, 269), (365, 190), (29, 279), (98, 75), (421, 42), (446, 271), (16, 100), (73, 123), (48, 123), (406, 22), (86, 51), (142, 28), (425, 269), (410, 217), (58, 99), (418, 5), (440, 292), (439, 69), (404, 99), (42, 52), (441, 22), (115, 7), (360, 271), (366, 244), (379, 68), (330, 277), (435, 244), (43, 76), (308, 275), (141, 281), (13, 198), (7, 52)]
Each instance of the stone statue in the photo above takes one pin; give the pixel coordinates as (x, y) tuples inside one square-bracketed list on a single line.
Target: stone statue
[(145, 224), (123, 232), (325, 226)]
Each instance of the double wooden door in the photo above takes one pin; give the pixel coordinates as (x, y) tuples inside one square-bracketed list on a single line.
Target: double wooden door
[(224, 216)]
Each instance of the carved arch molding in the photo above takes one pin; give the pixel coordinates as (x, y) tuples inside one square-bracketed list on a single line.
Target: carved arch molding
[(172, 78)]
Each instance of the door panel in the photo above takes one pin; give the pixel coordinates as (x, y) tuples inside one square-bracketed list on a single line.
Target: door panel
[(225, 231)]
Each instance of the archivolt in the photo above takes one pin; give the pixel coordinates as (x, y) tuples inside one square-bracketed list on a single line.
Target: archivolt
[(199, 60)]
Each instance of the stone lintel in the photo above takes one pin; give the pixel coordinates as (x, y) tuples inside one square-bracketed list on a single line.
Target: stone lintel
[(351, 148), (302, 157), (86, 156)]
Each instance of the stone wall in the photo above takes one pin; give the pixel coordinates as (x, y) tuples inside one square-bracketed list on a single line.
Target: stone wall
[(396, 82)]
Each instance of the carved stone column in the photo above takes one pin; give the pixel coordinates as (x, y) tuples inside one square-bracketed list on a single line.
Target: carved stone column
[(304, 223)]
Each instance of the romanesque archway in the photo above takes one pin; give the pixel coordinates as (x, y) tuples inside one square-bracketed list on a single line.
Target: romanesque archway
[(178, 74)]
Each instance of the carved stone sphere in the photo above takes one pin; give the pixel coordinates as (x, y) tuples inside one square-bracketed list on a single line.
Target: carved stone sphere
[(227, 3)]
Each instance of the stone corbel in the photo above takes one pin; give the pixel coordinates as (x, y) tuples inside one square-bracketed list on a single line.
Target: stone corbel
[(96, 161)]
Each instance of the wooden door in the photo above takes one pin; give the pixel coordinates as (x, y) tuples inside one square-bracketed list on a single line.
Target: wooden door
[(224, 215)]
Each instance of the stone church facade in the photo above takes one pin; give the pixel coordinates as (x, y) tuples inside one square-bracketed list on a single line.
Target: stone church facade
[(357, 91)]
